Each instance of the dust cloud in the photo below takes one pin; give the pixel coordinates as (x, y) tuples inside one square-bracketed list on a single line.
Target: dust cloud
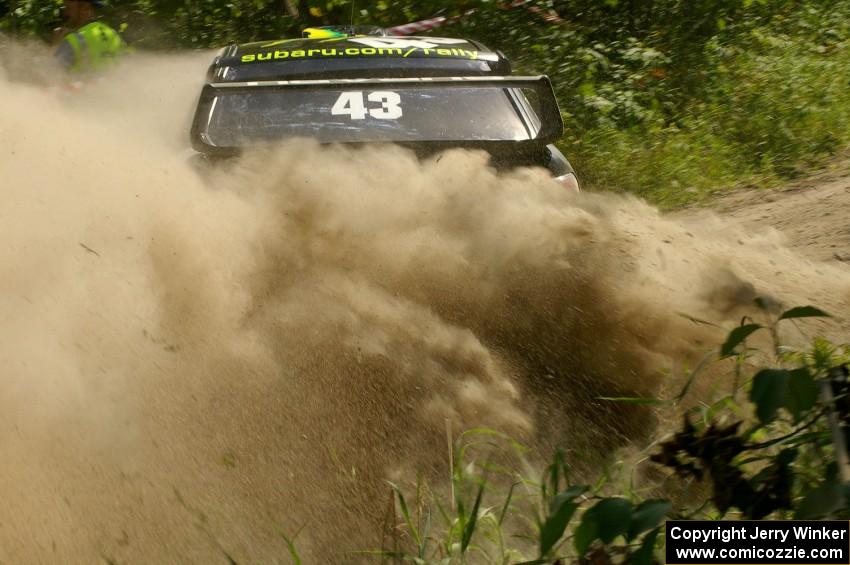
[(195, 363)]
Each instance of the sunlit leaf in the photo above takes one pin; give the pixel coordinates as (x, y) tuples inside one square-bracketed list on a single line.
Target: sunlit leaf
[(606, 520), (568, 495), (804, 312), (584, 534), (644, 555), (632, 400), (648, 515), (507, 504), (561, 510), (736, 337), (821, 502), (469, 529), (770, 388), (802, 393), (614, 516)]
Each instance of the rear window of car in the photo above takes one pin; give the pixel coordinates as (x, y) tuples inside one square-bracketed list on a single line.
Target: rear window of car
[(345, 114)]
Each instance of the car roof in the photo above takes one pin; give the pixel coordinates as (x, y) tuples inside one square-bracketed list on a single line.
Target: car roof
[(356, 57)]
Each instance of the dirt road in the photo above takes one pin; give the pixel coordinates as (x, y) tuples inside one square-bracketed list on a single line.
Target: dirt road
[(813, 213)]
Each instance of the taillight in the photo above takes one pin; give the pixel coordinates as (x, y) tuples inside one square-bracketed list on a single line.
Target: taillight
[(569, 181)]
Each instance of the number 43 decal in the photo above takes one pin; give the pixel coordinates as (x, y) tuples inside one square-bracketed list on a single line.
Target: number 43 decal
[(353, 104)]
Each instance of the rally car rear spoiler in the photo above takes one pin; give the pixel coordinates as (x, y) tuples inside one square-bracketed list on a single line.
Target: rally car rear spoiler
[(549, 114)]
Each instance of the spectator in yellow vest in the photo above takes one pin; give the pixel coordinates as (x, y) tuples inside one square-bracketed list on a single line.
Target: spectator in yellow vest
[(91, 45)]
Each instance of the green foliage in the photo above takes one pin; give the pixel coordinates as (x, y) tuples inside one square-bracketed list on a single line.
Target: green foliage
[(771, 457), (30, 17), (775, 465), (771, 102)]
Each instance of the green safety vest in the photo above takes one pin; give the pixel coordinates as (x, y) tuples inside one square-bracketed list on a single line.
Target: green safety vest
[(95, 46)]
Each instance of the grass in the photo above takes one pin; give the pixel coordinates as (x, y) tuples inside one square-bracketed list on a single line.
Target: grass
[(496, 511), (770, 112)]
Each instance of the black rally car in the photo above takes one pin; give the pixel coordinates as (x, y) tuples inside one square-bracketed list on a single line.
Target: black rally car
[(426, 93)]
